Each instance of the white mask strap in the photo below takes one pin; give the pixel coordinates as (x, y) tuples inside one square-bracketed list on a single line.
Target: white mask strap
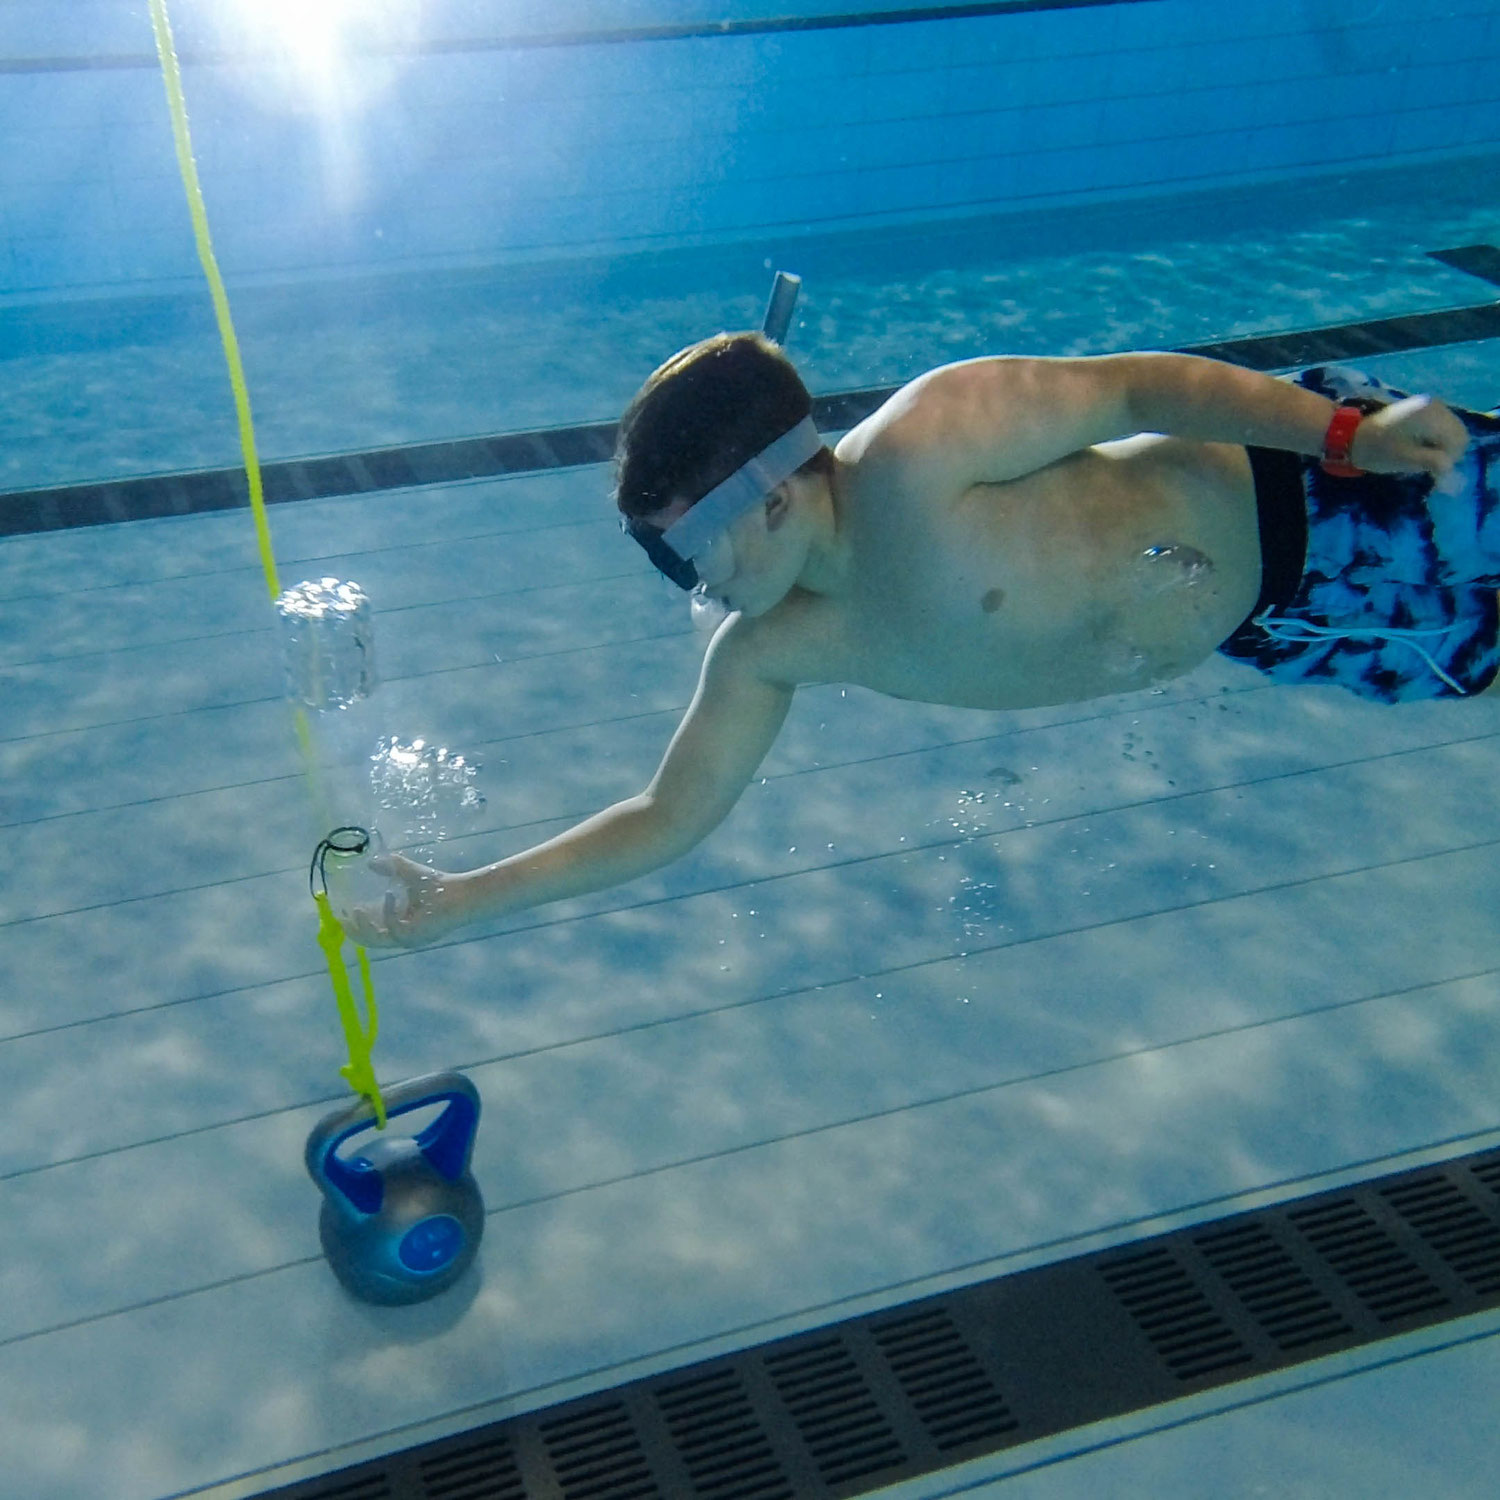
[(691, 534)]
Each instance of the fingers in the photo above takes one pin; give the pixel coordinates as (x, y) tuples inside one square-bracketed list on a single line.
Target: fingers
[(1417, 434), (395, 910), (358, 928), (1442, 430), (409, 910), (1439, 428)]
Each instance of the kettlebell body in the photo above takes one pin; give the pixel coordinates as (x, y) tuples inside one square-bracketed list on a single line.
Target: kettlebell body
[(402, 1220)]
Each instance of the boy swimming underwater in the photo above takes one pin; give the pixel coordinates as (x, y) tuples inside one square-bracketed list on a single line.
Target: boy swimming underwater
[(1010, 533)]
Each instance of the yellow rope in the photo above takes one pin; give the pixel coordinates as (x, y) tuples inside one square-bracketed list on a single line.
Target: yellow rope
[(172, 78), (360, 1036), (360, 1072)]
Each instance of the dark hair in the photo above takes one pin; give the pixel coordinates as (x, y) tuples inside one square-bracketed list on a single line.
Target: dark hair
[(701, 415)]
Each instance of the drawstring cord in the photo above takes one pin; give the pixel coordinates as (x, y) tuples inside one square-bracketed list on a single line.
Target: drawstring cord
[(1296, 631)]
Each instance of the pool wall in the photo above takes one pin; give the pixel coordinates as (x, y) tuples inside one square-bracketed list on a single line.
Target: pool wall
[(498, 131)]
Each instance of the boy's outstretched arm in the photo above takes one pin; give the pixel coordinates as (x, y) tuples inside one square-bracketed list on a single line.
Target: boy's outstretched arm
[(729, 726)]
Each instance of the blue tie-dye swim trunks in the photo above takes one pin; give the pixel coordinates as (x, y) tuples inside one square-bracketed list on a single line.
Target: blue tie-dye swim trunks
[(1381, 584)]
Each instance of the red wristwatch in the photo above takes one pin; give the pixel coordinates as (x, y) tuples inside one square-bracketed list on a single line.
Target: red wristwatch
[(1338, 440)]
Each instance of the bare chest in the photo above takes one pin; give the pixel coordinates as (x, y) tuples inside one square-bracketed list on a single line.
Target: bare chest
[(1099, 575)]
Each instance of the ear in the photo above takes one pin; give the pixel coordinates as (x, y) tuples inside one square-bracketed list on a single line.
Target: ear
[(778, 507)]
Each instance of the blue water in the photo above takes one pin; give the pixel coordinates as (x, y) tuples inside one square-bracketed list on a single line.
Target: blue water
[(950, 993), (91, 390)]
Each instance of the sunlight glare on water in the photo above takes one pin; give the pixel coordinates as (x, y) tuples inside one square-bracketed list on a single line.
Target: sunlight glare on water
[(330, 64)]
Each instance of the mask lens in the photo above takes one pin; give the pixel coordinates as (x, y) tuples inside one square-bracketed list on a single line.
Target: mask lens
[(666, 562)]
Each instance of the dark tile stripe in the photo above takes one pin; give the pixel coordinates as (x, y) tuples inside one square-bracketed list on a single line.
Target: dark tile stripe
[(613, 36), (57, 508), (1482, 261)]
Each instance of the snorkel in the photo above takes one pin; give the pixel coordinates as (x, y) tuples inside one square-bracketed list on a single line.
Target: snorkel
[(675, 550)]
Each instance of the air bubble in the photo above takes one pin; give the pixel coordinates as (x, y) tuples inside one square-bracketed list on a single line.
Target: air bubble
[(707, 612), (1173, 566)]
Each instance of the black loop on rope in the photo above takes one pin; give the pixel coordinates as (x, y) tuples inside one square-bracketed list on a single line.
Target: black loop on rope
[(348, 839)]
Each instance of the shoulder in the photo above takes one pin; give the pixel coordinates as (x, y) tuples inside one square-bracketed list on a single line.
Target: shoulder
[(743, 649), (912, 432), (903, 453), (781, 649), (928, 408), (896, 429), (994, 419)]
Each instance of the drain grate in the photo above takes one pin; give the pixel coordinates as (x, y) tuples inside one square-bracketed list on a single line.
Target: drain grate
[(65, 506), (831, 1406), (1282, 1298), (1173, 1312), (596, 1455), (853, 1407), (1462, 1234), (721, 1439), (372, 1486), (948, 1388), (484, 1470), (1385, 1279), (1488, 1173)]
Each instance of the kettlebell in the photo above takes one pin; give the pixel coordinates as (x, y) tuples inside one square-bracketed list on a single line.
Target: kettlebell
[(401, 1221)]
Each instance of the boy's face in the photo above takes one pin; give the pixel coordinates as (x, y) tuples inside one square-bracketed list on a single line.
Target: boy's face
[(754, 564), (714, 564), (736, 565), (724, 539), (717, 564)]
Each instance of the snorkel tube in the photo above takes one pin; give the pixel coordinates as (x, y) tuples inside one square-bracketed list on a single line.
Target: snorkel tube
[(778, 318)]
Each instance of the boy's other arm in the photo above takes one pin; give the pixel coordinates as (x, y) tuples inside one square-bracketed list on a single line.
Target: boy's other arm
[(989, 420), (1214, 402), (731, 723)]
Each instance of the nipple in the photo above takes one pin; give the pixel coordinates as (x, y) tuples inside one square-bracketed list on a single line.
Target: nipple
[(1172, 565)]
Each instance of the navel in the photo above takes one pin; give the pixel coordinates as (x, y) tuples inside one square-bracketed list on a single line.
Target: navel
[(992, 601)]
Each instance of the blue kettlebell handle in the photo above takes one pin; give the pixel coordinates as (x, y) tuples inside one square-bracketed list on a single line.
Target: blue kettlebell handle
[(447, 1143)]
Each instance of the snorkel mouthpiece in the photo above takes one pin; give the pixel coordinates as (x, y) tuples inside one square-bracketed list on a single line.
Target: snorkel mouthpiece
[(672, 551)]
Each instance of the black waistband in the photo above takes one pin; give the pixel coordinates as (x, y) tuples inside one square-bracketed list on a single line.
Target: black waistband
[(1281, 514)]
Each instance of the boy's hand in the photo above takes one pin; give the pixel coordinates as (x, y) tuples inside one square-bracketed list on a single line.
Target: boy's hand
[(421, 905), (1416, 435)]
